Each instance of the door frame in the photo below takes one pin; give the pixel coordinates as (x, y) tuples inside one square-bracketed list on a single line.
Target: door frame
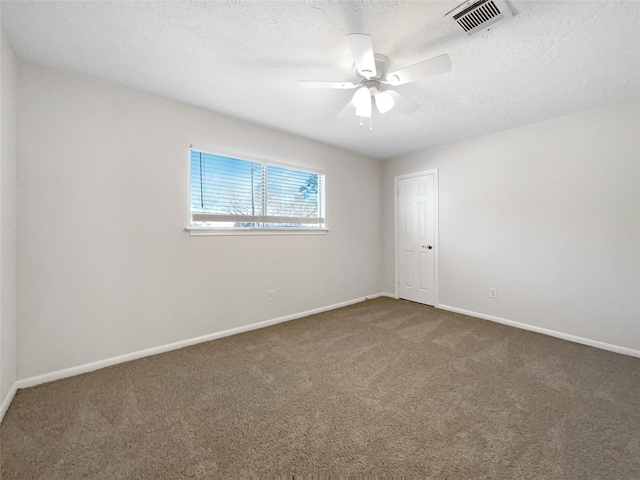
[(436, 240)]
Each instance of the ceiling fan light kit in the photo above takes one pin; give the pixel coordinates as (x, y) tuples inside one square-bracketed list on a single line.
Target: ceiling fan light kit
[(384, 101), (373, 86), (362, 101)]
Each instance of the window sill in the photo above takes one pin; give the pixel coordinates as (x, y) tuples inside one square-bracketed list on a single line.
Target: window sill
[(203, 231)]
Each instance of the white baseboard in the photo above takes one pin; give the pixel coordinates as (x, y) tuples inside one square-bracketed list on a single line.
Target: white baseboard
[(546, 331), (89, 367), (107, 362), (381, 294), (7, 401)]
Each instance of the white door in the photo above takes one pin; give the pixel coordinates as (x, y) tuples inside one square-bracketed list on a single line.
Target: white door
[(415, 246)]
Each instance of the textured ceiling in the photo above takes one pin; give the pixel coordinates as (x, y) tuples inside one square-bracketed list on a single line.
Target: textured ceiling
[(243, 59)]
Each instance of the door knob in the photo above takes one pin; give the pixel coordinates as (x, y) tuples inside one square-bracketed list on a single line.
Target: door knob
[(427, 246)]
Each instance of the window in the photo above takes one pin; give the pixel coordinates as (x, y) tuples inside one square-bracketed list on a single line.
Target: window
[(233, 194)]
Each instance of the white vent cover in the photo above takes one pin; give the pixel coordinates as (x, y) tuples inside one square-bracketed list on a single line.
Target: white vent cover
[(475, 16)]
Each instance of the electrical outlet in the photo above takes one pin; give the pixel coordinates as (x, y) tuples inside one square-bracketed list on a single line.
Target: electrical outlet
[(493, 293), (272, 295)]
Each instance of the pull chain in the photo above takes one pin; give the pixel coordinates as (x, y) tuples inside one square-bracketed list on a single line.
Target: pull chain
[(370, 123)]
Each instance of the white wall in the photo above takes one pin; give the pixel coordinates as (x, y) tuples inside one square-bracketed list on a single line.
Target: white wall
[(549, 214), (8, 98), (104, 266)]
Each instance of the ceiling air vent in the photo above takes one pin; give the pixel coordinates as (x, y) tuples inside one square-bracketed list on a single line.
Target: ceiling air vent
[(475, 16)]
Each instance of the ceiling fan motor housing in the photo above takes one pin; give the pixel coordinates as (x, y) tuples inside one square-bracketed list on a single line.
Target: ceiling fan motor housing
[(382, 66), (372, 84)]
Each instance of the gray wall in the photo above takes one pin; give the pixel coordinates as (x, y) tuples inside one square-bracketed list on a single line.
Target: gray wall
[(549, 214), (8, 322), (105, 267)]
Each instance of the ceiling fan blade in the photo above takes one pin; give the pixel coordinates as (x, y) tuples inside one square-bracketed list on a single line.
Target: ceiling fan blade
[(402, 103), (362, 53), (426, 68), (338, 85)]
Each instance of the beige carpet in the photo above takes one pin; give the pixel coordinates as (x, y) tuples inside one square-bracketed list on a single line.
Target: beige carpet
[(383, 387)]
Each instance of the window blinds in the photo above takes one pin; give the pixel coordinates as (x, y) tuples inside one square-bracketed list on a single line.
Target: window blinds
[(235, 193)]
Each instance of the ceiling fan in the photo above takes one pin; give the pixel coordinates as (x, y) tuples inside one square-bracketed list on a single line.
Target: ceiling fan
[(375, 82)]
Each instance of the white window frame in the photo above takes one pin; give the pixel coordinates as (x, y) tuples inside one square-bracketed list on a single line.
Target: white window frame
[(206, 231)]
